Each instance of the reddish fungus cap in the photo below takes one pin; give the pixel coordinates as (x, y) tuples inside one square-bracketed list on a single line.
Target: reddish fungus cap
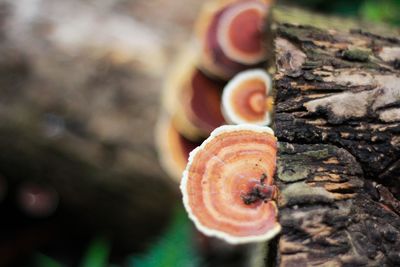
[(230, 35), (246, 99), (173, 147), (192, 98), (205, 101), (227, 185), (240, 32)]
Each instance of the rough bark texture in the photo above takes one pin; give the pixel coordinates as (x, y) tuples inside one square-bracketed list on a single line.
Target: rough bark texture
[(338, 121)]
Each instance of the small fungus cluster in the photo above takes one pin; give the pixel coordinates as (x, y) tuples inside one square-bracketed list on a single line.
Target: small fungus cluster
[(227, 182)]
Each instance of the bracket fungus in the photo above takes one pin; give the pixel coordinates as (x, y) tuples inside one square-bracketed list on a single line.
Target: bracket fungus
[(227, 185), (204, 106), (193, 99), (230, 36), (173, 147), (246, 98)]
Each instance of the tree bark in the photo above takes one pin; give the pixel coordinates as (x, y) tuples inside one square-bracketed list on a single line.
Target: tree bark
[(338, 122)]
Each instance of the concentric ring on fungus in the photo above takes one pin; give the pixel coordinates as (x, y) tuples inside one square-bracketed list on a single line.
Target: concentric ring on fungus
[(240, 32), (227, 185), (230, 36), (245, 99)]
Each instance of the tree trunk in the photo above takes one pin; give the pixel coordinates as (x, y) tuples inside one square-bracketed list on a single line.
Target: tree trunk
[(338, 122)]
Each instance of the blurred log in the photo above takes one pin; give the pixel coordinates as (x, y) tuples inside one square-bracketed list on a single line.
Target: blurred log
[(79, 97), (338, 121)]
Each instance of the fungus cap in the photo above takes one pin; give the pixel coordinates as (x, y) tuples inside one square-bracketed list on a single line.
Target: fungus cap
[(222, 173), (213, 61), (245, 99), (226, 49), (174, 92), (172, 147), (203, 109), (240, 32), (192, 99)]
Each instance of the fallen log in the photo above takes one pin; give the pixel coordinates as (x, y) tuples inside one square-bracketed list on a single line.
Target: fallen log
[(337, 119), (338, 122)]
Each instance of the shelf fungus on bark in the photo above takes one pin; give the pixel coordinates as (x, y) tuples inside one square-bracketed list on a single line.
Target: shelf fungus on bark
[(173, 147), (203, 108), (246, 98), (193, 100), (228, 187), (230, 36)]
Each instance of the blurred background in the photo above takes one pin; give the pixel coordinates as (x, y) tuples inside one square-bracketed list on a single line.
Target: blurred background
[(80, 178)]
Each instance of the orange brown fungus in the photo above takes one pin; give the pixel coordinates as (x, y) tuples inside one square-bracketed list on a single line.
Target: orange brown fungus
[(256, 102), (269, 103), (245, 98), (231, 36), (174, 148), (240, 33), (227, 185), (182, 149), (250, 100), (192, 99), (244, 31), (205, 101)]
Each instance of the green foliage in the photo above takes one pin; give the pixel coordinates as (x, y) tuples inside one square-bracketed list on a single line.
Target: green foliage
[(45, 261), (97, 253), (373, 10), (342, 7), (382, 11), (175, 247)]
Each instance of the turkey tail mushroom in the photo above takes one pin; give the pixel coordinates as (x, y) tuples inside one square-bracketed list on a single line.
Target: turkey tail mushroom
[(193, 99), (246, 98), (173, 148), (227, 185), (230, 36)]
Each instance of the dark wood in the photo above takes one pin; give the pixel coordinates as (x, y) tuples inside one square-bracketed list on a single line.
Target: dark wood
[(338, 122)]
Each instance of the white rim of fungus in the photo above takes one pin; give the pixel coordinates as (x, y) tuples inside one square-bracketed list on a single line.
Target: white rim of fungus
[(227, 109), (223, 33), (183, 186)]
